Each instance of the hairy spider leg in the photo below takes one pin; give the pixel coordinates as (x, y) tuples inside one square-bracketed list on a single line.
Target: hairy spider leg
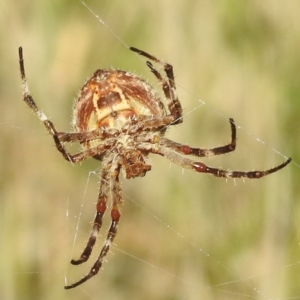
[(30, 102), (60, 137), (110, 185), (200, 167), (201, 152), (169, 87)]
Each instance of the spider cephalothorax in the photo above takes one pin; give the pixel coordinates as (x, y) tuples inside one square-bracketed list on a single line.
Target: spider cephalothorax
[(120, 119)]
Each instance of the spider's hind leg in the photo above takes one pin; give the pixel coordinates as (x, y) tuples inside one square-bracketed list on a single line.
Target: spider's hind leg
[(109, 186), (101, 207)]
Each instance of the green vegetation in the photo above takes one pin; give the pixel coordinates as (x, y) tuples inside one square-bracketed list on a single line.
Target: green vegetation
[(241, 58)]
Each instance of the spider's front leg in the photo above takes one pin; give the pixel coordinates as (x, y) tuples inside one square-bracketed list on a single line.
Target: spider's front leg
[(168, 86), (30, 102), (59, 137)]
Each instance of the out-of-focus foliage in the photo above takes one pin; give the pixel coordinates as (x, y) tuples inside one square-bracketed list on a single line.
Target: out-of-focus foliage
[(241, 58)]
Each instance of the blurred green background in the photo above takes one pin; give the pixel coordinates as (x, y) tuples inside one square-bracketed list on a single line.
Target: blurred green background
[(182, 235)]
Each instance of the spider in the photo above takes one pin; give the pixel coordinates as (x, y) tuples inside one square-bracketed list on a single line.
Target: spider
[(119, 119)]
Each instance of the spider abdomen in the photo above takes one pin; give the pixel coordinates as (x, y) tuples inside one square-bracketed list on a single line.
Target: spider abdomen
[(110, 97)]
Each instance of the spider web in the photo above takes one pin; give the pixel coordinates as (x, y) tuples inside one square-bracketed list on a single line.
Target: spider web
[(182, 235)]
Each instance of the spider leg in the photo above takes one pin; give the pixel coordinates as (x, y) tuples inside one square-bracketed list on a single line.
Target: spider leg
[(91, 152), (30, 102), (166, 88), (100, 208), (110, 185), (79, 136), (145, 123), (169, 87), (200, 152), (200, 167), (99, 133)]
